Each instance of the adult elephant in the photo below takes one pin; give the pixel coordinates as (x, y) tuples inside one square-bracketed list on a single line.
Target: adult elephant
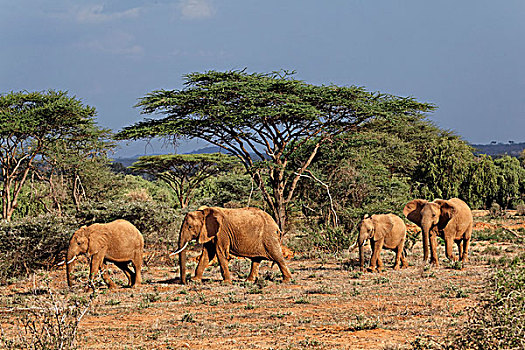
[(383, 230), (449, 219), (246, 232), (118, 242)]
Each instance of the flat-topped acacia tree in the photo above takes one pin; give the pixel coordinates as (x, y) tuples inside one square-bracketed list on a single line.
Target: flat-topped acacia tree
[(31, 123), (185, 172), (263, 119)]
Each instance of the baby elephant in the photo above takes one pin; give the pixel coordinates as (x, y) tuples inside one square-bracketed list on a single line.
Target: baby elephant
[(118, 242), (383, 230)]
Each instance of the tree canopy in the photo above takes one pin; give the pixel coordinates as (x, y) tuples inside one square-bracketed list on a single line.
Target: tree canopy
[(32, 124), (184, 172), (263, 119)]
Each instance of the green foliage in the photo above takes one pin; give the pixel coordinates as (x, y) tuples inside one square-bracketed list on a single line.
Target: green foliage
[(158, 222), (32, 243), (234, 189), (442, 168), (329, 239), (480, 187), (510, 178), (185, 172), (498, 322), (263, 119), (35, 125), (366, 172)]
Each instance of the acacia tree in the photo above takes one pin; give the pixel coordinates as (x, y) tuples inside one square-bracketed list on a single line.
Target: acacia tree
[(263, 119), (185, 172), (67, 162), (443, 168), (30, 122)]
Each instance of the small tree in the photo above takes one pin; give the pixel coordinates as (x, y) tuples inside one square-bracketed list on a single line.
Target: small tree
[(263, 119), (185, 172), (442, 168), (510, 178), (29, 123), (480, 187)]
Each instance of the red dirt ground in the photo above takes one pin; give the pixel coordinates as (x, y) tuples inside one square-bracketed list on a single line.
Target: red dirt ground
[(329, 305)]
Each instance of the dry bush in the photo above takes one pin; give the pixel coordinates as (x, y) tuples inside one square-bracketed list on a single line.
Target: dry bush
[(139, 195), (51, 324)]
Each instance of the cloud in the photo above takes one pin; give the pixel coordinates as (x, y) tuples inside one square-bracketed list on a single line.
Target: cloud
[(96, 14), (197, 9), (118, 43)]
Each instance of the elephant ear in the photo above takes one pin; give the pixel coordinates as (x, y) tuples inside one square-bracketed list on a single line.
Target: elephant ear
[(96, 235), (447, 211), (211, 226), (383, 224), (412, 210)]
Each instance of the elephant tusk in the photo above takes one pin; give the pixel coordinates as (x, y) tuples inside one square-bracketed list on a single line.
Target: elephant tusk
[(61, 263), (180, 250), (352, 247), (70, 261)]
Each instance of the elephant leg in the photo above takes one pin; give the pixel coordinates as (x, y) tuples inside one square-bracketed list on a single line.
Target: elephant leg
[(380, 265), (276, 254), (105, 276), (404, 262), (137, 265), (208, 253), (97, 262), (466, 244), (287, 276), (459, 243), (129, 274), (399, 253), (433, 250), (254, 271), (223, 262), (376, 247), (449, 250)]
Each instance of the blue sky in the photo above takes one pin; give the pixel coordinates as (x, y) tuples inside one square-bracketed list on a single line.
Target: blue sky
[(467, 56)]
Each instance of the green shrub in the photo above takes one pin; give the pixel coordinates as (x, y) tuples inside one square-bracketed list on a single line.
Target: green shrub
[(159, 223), (495, 210), (32, 243), (328, 239), (498, 322)]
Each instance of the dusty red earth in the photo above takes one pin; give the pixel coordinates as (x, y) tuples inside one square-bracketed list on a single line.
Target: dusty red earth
[(329, 304)]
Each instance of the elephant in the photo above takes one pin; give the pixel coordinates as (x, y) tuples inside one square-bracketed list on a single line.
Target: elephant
[(118, 242), (383, 230), (244, 232), (449, 219)]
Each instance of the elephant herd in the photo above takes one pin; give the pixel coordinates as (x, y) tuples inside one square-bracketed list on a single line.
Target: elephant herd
[(253, 234)]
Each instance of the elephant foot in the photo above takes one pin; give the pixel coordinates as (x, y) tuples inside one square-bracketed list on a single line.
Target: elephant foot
[(227, 282), (250, 279), (287, 280), (196, 279), (397, 268)]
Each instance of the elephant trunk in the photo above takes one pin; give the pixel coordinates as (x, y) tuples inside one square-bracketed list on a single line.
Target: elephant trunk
[(70, 262), (426, 227), (361, 258), (182, 263), (361, 243)]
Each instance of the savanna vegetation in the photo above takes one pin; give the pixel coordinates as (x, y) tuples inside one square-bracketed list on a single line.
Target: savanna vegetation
[(317, 158)]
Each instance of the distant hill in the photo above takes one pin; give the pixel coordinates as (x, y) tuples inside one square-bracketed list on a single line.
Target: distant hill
[(493, 149), (500, 149)]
